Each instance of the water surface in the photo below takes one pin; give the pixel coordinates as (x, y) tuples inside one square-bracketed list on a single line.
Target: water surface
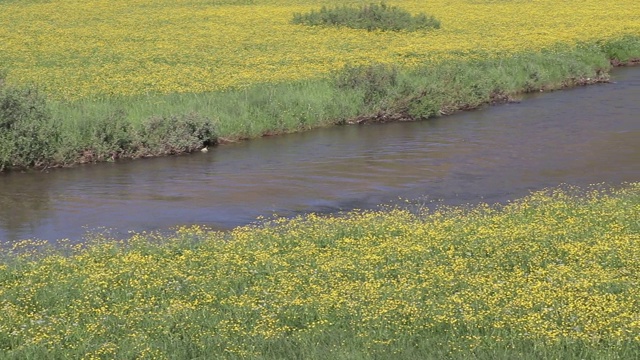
[(579, 136)]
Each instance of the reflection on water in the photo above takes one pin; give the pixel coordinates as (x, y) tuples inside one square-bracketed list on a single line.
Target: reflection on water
[(579, 136)]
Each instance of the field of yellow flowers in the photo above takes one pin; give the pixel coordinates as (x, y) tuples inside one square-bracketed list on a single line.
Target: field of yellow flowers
[(75, 49), (553, 275)]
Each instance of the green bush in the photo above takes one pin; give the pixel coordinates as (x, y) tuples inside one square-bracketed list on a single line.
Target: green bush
[(109, 138), (115, 136), (28, 135), (369, 17), (176, 134), (374, 81)]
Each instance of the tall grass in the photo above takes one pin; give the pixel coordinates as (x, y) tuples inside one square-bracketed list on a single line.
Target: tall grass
[(553, 275), (111, 128)]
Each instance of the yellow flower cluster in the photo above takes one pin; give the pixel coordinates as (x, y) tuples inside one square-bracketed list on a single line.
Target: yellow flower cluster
[(549, 270), (75, 49)]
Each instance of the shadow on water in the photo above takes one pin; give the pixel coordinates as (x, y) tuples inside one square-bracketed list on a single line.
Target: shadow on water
[(579, 136)]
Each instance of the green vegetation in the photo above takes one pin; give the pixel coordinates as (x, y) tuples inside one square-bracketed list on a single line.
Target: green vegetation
[(553, 275), (32, 137), (41, 133), (370, 17)]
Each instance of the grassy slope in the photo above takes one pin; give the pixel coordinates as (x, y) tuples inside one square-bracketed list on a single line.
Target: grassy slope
[(102, 130), (553, 275)]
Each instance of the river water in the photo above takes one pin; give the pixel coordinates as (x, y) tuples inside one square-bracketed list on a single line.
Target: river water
[(579, 136)]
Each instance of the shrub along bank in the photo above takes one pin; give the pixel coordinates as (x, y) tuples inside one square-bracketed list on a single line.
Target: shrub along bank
[(38, 133), (32, 137)]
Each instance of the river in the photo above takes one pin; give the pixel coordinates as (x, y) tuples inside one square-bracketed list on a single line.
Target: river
[(578, 136)]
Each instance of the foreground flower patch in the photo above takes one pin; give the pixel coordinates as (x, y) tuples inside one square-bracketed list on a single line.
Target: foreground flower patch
[(551, 275)]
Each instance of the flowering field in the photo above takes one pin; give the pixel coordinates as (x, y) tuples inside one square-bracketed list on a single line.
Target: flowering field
[(77, 49), (553, 275)]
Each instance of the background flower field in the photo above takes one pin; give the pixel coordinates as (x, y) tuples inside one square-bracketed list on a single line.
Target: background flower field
[(78, 49)]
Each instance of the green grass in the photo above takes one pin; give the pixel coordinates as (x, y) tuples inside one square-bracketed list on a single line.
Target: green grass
[(106, 129), (550, 276), (370, 17)]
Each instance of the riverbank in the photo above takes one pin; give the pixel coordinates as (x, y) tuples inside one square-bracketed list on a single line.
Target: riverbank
[(42, 133), (551, 275)]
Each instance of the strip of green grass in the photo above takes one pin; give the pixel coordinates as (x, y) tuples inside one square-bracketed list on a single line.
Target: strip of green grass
[(107, 129), (553, 275)]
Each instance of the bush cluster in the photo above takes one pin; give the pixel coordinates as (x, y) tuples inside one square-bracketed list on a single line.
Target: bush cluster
[(369, 17), (30, 137), (374, 81)]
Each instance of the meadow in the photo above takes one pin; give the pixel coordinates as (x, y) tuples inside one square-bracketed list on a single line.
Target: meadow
[(243, 68), (77, 49), (552, 275)]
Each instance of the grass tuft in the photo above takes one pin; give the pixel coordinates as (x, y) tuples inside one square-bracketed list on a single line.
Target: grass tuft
[(370, 17)]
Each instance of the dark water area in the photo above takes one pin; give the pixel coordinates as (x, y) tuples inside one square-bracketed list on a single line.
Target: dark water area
[(579, 136)]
